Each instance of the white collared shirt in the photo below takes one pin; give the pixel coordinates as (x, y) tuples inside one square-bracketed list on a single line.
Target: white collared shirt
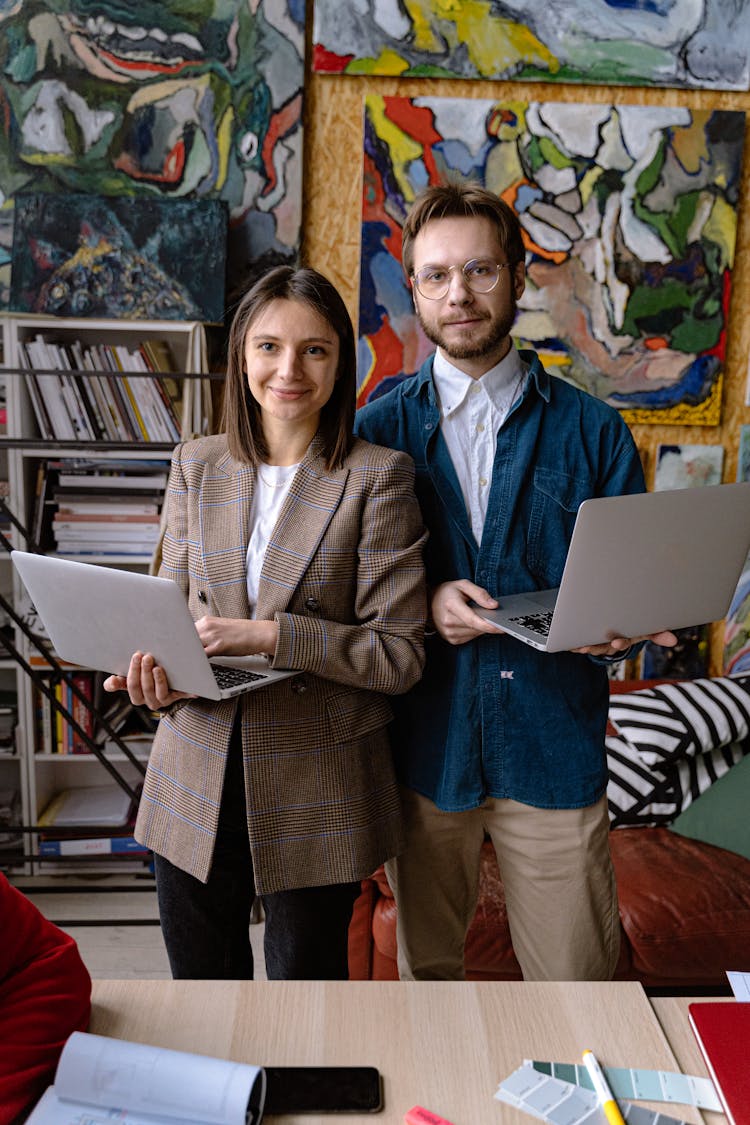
[(471, 413)]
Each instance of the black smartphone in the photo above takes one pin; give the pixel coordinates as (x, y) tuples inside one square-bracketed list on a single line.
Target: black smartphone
[(322, 1089)]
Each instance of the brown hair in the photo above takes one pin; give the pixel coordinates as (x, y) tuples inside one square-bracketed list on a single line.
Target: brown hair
[(240, 414), (462, 201)]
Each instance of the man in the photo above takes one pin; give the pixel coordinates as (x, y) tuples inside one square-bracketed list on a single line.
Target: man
[(498, 738)]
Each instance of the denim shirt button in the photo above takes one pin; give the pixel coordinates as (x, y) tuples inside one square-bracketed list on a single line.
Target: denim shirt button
[(429, 425)]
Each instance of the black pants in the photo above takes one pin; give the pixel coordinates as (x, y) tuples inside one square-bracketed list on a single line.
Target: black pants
[(206, 925)]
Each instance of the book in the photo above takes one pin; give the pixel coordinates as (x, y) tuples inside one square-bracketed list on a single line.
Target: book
[(144, 1085), (723, 1033), (71, 845)]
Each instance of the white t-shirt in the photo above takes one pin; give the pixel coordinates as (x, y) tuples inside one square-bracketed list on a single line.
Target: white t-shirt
[(271, 488)]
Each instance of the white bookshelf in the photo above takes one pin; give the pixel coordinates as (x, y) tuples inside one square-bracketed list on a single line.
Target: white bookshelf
[(39, 775)]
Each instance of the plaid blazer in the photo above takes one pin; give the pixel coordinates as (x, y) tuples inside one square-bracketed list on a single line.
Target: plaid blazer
[(344, 579)]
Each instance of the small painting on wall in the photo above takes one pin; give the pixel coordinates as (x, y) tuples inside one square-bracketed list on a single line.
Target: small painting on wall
[(688, 466), (134, 259), (687, 660), (683, 43), (629, 217), (743, 454), (737, 628)]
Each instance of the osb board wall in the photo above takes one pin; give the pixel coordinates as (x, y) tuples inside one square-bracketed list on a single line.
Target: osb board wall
[(332, 201)]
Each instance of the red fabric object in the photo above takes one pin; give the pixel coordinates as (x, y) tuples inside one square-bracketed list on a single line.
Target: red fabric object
[(45, 994)]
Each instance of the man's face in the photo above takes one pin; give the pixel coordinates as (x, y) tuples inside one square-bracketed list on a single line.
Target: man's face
[(470, 328)]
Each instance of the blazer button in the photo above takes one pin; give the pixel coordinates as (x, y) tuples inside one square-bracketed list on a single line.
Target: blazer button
[(202, 596), (298, 685), (312, 604)]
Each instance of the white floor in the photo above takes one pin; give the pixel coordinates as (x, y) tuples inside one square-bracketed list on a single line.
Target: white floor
[(115, 922)]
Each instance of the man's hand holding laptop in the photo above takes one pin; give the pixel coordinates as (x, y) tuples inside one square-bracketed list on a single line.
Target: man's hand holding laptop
[(146, 682), (457, 622)]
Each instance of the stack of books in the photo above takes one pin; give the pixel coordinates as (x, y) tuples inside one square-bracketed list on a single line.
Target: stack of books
[(120, 399), (88, 821), (107, 507)]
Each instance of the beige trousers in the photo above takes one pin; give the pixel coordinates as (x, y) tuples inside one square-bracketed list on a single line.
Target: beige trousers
[(557, 875)]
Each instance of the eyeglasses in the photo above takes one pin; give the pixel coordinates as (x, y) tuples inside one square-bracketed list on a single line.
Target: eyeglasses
[(481, 275)]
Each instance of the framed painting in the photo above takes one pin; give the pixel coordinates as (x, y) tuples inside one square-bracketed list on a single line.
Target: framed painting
[(681, 43), (173, 101), (135, 259), (688, 466), (743, 454), (629, 215), (737, 628)]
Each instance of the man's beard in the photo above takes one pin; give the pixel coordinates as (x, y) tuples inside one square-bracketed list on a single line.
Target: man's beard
[(500, 326)]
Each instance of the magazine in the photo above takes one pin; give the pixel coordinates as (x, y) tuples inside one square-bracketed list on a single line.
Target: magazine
[(98, 1079)]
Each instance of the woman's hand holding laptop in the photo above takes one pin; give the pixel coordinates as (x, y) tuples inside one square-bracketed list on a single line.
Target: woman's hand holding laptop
[(146, 682)]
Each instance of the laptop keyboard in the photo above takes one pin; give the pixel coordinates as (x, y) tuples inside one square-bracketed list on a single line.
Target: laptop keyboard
[(234, 677), (535, 622)]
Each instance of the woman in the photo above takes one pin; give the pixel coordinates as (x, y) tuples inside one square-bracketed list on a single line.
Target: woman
[(294, 539)]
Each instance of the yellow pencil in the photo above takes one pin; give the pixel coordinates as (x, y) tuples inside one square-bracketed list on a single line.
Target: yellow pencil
[(603, 1092)]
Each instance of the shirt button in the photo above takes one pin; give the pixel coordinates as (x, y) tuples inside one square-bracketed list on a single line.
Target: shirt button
[(475, 390), (298, 686), (483, 482), (312, 604), (480, 427)]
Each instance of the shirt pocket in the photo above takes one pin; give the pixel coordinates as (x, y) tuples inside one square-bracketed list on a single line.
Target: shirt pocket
[(556, 498), (355, 714)]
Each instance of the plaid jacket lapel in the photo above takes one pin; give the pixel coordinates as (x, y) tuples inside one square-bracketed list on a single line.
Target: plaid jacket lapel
[(313, 498), (226, 503)]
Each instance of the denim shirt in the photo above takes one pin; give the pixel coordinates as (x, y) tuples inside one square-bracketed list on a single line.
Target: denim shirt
[(495, 717)]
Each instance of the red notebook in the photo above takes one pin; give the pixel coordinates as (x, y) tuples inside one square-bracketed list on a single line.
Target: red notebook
[(723, 1034)]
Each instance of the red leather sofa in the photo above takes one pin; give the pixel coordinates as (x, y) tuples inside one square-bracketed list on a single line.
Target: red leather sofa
[(684, 916)]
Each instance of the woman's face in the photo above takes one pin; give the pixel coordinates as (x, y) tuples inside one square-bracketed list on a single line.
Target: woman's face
[(291, 361)]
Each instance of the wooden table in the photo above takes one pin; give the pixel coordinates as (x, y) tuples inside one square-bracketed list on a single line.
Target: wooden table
[(445, 1046)]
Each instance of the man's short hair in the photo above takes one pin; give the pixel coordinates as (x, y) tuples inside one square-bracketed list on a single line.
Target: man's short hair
[(467, 200)]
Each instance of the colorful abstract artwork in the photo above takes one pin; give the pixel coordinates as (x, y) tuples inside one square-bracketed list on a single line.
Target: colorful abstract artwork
[(737, 628), (682, 43), (135, 259), (743, 454), (629, 216), (158, 101), (688, 466)]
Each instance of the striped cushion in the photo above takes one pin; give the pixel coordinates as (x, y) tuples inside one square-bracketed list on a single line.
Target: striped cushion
[(675, 721), (637, 795)]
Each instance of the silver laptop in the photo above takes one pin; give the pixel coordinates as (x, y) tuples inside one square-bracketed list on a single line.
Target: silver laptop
[(637, 565), (98, 617)]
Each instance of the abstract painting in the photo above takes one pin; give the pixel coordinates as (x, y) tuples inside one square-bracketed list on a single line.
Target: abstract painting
[(743, 454), (688, 466), (159, 101), (681, 43), (629, 215), (737, 628), (135, 259)]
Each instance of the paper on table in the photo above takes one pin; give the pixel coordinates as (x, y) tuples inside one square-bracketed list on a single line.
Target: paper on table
[(146, 1085), (740, 983)]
